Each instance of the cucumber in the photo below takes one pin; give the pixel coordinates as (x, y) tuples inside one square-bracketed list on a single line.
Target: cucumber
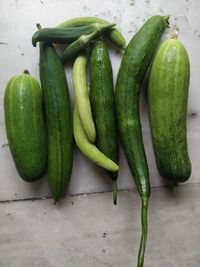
[(82, 96), (114, 35), (66, 35), (25, 126), (59, 120), (82, 42), (167, 98), (87, 148), (103, 106), (134, 64)]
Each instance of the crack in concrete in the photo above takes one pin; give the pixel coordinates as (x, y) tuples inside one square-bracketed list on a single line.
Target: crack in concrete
[(93, 193)]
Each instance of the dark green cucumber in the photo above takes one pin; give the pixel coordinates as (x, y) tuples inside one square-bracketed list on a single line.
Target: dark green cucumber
[(135, 62), (25, 126), (114, 35), (168, 97), (59, 120), (65, 35), (103, 107), (82, 42)]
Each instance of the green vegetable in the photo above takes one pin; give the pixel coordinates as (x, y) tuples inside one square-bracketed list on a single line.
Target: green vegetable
[(103, 107), (168, 97), (82, 96), (88, 149), (135, 62), (59, 121), (25, 126), (114, 35), (81, 43), (66, 35)]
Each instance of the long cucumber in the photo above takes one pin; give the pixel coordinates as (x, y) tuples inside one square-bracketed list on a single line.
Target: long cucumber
[(134, 64), (82, 96), (59, 120), (103, 106)]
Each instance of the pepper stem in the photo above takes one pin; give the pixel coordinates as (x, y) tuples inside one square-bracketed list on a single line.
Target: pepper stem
[(144, 222), (114, 190)]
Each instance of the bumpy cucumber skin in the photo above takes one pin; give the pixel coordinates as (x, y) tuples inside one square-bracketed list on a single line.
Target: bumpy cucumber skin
[(114, 35), (167, 98), (25, 126), (102, 103), (59, 120), (89, 149), (82, 96), (134, 64)]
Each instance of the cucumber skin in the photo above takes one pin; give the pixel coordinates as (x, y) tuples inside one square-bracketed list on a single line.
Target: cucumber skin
[(114, 35), (59, 120), (102, 103), (63, 35), (134, 64), (25, 126), (87, 148), (168, 97)]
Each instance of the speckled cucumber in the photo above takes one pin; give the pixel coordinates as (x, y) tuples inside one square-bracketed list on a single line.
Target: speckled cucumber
[(25, 126), (59, 120), (103, 107), (114, 35), (167, 98), (134, 64)]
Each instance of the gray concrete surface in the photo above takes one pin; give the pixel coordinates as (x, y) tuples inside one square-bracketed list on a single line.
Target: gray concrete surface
[(88, 231)]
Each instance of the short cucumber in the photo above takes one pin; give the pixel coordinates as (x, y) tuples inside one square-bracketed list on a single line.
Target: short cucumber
[(114, 35), (65, 35), (167, 98), (89, 149), (134, 64), (103, 107), (25, 126), (59, 120), (82, 96)]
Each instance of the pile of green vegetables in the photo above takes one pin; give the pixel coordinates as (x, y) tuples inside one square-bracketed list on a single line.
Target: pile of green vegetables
[(39, 123)]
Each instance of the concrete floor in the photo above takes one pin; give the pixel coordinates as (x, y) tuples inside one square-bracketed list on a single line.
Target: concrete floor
[(88, 231)]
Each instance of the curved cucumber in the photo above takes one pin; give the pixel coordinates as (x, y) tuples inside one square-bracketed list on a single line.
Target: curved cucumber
[(25, 126), (168, 97), (134, 64), (88, 149), (82, 96), (103, 107), (59, 121), (114, 35)]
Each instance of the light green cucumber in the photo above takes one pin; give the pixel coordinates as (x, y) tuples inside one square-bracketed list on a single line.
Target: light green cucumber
[(167, 99), (89, 149), (82, 96)]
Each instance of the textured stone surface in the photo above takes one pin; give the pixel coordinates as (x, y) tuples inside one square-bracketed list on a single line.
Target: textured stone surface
[(89, 231)]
